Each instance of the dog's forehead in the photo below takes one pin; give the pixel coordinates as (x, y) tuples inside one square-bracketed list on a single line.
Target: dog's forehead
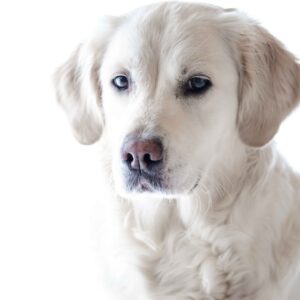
[(177, 34)]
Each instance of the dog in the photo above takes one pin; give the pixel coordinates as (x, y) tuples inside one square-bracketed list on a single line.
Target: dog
[(184, 100)]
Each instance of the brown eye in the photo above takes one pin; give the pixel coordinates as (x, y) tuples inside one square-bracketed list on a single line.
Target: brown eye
[(121, 82), (197, 85)]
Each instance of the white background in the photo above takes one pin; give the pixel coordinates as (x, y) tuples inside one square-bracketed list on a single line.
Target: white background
[(48, 183)]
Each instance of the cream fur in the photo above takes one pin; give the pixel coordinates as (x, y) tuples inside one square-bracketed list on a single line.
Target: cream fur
[(226, 225)]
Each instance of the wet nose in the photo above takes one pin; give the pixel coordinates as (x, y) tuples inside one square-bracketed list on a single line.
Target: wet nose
[(142, 154)]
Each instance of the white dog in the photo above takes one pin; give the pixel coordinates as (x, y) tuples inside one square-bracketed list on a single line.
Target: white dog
[(185, 100)]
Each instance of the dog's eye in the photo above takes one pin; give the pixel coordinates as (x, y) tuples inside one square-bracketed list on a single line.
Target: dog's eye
[(121, 82), (197, 85)]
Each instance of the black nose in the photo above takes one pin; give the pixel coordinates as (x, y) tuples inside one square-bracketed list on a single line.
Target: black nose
[(143, 154)]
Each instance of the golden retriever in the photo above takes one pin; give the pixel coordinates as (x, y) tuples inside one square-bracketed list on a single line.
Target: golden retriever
[(184, 100)]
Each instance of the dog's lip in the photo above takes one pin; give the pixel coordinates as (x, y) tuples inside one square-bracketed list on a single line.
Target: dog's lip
[(151, 179), (144, 186), (140, 182)]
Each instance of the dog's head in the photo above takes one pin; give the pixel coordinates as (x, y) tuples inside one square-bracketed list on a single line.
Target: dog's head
[(172, 86)]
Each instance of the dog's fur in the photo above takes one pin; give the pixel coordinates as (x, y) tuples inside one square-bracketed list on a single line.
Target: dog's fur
[(226, 222)]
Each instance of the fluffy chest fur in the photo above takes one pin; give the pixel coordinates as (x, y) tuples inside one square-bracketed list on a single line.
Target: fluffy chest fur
[(203, 262)]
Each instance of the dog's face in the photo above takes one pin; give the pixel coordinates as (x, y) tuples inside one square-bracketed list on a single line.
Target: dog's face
[(167, 98), (173, 86)]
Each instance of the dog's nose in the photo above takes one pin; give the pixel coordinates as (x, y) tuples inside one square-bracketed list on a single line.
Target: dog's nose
[(143, 155)]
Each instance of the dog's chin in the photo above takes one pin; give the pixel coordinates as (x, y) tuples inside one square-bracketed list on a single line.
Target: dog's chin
[(143, 187)]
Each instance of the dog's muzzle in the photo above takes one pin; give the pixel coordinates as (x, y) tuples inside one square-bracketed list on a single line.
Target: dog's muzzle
[(143, 162)]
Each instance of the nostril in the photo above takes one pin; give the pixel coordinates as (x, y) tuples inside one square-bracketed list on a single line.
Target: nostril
[(147, 158), (132, 161), (129, 158), (151, 159)]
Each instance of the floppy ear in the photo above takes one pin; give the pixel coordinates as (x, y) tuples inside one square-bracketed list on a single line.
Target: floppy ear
[(78, 87), (269, 85)]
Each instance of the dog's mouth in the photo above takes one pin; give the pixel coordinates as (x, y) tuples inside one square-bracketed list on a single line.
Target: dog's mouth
[(141, 182)]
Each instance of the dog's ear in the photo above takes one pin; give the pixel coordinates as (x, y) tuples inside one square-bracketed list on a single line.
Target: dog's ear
[(269, 84), (78, 87)]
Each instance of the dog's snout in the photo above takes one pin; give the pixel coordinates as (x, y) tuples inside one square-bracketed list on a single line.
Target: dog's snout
[(143, 155)]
